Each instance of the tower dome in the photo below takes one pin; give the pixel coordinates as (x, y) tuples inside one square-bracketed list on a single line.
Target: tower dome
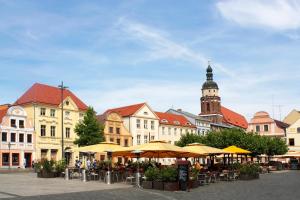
[(209, 83)]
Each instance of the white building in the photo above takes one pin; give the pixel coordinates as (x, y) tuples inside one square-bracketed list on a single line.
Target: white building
[(17, 146), (202, 124), (140, 120)]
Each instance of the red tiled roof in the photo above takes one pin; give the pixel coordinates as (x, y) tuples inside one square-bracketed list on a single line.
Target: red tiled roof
[(45, 94), (233, 118), (173, 119), (3, 111), (126, 110)]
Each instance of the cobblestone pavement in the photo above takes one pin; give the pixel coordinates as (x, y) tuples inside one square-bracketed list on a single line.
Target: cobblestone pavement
[(280, 186)]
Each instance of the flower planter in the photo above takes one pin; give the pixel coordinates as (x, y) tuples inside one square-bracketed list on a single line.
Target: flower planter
[(170, 186), (248, 176), (147, 184), (158, 185), (194, 183), (45, 174)]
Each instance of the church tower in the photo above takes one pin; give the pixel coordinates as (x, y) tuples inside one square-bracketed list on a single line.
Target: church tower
[(210, 100)]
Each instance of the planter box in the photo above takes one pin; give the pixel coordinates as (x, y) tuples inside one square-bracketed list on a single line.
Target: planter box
[(147, 184), (170, 186), (158, 185), (194, 183), (249, 177), (44, 174)]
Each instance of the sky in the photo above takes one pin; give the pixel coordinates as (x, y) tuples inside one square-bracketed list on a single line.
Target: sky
[(114, 53)]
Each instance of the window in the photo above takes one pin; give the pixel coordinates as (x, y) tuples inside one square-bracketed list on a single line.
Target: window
[(118, 130), (67, 113), (67, 103), (118, 141), (21, 123), (266, 128), (175, 131), (152, 125), (43, 130), (126, 142), (145, 139), (111, 139), (52, 131), (13, 137), (291, 142), (68, 132), (169, 131), (21, 137), (43, 111), (152, 137), (111, 129), (138, 139), (138, 123), (163, 130), (181, 131), (176, 122), (207, 107), (52, 113), (145, 113), (13, 123), (5, 159), (4, 137), (29, 138), (145, 124), (257, 128), (15, 159), (298, 130)]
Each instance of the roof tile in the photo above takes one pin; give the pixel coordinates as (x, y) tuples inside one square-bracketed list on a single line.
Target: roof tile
[(234, 118)]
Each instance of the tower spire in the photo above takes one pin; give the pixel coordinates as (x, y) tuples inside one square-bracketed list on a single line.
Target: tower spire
[(209, 74)]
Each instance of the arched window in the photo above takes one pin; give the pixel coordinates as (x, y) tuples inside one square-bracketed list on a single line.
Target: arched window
[(208, 107)]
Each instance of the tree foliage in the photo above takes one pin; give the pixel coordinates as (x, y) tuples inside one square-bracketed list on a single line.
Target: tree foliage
[(89, 130), (251, 141)]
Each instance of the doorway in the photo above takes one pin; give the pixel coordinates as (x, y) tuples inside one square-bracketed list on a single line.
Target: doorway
[(28, 158)]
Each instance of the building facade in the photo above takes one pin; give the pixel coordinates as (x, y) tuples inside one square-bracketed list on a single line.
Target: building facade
[(172, 127), (202, 124), (263, 124), (293, 136), (114, 129), (42, 104), (140, 121), (211, 108), (17, 145)]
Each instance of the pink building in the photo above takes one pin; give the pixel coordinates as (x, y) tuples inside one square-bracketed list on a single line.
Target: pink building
[(263, 124)]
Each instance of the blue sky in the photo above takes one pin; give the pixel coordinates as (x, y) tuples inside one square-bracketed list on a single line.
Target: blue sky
[(115, 53)]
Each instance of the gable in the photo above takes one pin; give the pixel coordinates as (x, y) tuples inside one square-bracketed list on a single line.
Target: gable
[(146, 112)]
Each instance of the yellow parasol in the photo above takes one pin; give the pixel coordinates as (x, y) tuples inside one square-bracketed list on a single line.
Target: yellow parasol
[(155, 149), (236, 150), (100, 148), (202, 149)]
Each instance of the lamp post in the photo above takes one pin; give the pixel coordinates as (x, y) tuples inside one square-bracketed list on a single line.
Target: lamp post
[(137, 175), (62, 87), (108, 173), (9, 145)]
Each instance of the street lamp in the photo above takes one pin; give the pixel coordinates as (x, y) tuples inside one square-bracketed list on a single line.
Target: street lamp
[(9, 145), (137, 175), (62, 87)]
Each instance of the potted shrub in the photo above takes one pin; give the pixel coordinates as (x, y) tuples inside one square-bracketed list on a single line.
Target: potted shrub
[(158, 183), (249, 171), (60, 167), (46, 169), (193, 178), (151, 175), (169, 177)]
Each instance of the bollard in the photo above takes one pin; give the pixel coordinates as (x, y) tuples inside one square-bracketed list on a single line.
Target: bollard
[(108, 177), (137, 178), (84, 175), (67, 174)]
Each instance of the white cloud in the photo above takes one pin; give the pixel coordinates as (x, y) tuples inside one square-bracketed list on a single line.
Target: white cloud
[(275, 14)]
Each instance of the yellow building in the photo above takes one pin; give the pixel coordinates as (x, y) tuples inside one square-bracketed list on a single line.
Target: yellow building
[(114, 130), (43, 106)]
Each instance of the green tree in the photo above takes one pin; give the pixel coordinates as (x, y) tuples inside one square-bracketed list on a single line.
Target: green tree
[(89, 130), (188, 139)]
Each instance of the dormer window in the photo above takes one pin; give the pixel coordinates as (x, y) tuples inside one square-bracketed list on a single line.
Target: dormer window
[(188, 123), (164, 121), (176, 122)]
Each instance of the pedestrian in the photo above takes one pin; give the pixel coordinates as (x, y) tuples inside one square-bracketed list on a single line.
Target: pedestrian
[(88, 164), (24, 163)]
